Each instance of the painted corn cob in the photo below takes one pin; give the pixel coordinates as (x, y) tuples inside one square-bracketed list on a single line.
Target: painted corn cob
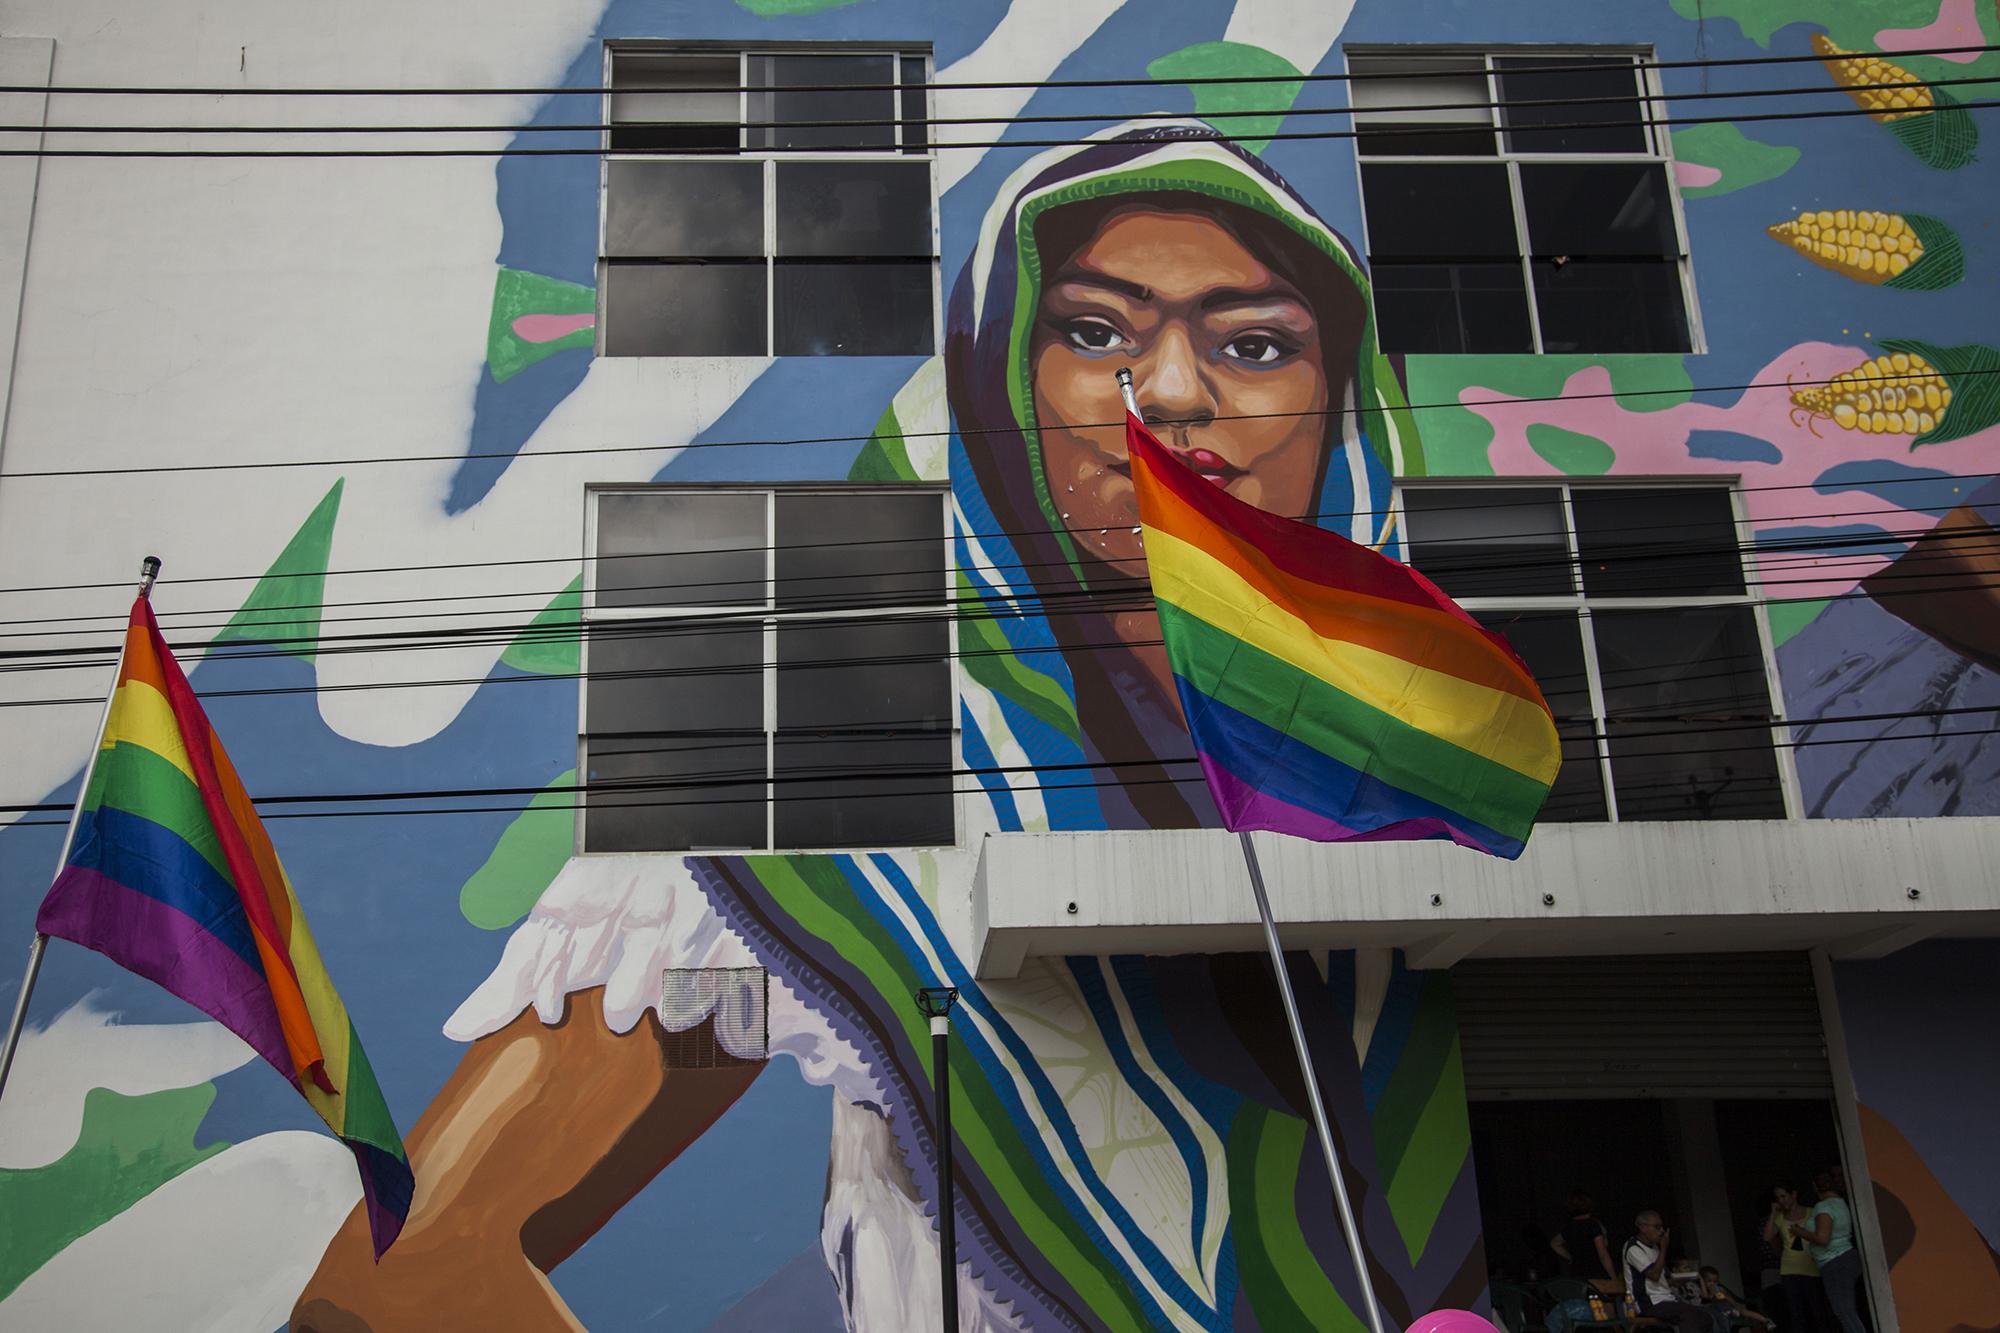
[(1928, 120), (1905, 250), (1893, 394), (1860, 71)]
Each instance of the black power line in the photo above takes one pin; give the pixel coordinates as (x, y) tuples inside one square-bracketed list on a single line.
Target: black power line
[(676, 449), (1692, 481), (994, 85), (1774, 555), (894, 122), (741, 778), (954, 144)]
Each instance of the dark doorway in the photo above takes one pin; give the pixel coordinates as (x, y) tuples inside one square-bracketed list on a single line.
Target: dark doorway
[(1706, 1164)]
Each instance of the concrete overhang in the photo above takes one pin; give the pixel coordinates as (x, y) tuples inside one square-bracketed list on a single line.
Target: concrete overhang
[(1858, 888)]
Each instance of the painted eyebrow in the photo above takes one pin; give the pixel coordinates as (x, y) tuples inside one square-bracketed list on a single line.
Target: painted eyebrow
[(1137, 291), (1231, 296)]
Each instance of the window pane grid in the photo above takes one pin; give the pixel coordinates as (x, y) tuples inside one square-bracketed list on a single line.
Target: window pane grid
[(1698, 659), (664, 291), (831, 779), (1569, 302)]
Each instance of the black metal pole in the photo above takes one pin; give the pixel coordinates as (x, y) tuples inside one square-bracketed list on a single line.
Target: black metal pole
[(936, 1002), (947, 1214)]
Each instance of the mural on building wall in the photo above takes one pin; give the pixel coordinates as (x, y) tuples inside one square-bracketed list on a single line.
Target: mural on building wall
[(1139, 1194), (1936, 1189), (1131, 1136)]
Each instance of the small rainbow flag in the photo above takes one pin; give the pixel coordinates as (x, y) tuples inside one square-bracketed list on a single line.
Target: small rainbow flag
[(1333, 693), (171, 875)]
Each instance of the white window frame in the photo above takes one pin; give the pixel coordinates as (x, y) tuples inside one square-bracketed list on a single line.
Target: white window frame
[(770, 157), (591, 613), (1583, 604), (1659, 151)]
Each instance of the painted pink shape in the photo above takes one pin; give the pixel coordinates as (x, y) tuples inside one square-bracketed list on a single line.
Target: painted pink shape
[(1654, 444), (1693, 175), (548, 328), (1955, 25)]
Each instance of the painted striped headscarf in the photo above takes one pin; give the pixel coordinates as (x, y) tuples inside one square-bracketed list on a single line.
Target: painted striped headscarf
[(1022, 700)]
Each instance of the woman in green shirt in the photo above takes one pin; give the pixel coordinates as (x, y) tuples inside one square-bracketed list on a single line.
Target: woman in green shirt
[(1829, 1233)]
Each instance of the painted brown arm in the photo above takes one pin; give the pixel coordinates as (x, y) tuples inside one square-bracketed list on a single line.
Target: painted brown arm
[(540, 1136)]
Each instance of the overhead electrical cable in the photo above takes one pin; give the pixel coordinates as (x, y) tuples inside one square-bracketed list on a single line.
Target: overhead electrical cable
[(747, 778), (1260, 137), (1775, 555), (986, 85), (905, 122), (676, 449)]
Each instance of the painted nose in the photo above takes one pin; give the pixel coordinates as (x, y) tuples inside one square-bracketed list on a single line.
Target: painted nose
[(1171, 385)]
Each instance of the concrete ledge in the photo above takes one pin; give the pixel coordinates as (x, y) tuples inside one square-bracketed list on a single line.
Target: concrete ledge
[(1615, 888)]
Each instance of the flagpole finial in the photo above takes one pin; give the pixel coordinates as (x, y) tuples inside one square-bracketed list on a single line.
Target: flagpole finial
[(149, 569), (1125, 387)]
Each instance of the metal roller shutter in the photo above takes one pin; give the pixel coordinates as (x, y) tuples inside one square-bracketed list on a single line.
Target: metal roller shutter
[(1690, 1025)]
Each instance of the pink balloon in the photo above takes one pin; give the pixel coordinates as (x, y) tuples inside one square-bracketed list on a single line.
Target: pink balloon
[(1451, 1321)]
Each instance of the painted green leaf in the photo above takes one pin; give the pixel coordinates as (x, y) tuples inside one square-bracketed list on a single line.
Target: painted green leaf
[(1943, 260), (1743, 161), (127, 1148), (1250, 112), (1973, 372), (885, 457), (533, 318), (779, 9), (285, 605), (1943, 137), (531, 852), (548, 646), (1571, 452), (1788, 618)]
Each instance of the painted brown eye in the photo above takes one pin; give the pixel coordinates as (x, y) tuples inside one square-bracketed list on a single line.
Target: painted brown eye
[(1093, 335), (1257, 348)]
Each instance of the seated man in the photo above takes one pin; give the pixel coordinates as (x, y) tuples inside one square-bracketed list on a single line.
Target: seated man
[(1645, 1262)]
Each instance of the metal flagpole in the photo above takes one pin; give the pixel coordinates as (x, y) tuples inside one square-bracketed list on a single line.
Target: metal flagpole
[(149, 569), (1353, 1232), (1347, 1222)]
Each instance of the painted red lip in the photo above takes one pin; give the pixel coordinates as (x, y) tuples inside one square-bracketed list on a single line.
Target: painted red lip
[(1211, 465), (1206, 462)]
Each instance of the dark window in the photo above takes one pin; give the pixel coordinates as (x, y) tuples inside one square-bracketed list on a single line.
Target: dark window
[(1418, 106), (668, 102), (1650, 655), (1551, 644), (1684, 694), (1574, 104), (1452, 307), (1656, 541), (1482, 238), (711, 209), (732, 229), (768, 670), (1450, 211), (1491, 542), (685, 309)]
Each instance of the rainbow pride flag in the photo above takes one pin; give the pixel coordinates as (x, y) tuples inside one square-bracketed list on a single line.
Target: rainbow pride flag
[(1333, 693), (171, 875)]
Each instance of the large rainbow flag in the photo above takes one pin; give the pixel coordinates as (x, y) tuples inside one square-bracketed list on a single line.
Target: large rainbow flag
[(1334, 693), (171, 875)]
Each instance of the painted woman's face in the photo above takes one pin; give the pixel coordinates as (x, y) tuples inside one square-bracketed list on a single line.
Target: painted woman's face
[(1222, 350)]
